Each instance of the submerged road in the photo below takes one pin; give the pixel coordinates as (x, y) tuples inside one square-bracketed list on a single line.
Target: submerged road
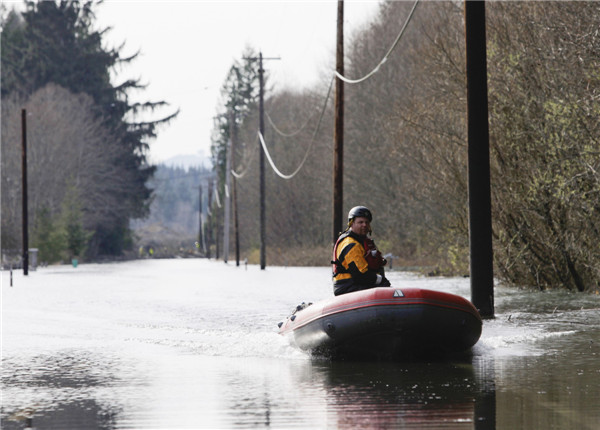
[(194, 344)]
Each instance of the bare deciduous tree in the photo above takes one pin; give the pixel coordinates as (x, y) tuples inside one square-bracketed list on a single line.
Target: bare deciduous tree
[(544, 113), (68, 149), (406, 145)]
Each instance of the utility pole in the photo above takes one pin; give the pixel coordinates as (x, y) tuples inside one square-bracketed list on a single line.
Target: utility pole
[(201, 241), (227, 195), (208, 232), (236, 225), (217, 225), (480, 214), (338, 132), (263, 245), (25, 211)]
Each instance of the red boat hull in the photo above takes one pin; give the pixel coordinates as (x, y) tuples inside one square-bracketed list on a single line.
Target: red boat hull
[(386, 322)]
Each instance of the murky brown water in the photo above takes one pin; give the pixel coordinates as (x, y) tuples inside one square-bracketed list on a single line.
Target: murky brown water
[(194, 344)]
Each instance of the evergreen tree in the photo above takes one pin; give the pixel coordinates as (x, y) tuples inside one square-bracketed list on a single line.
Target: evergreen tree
[(72, 223), (48, 237), (240, 96), (54, 42)]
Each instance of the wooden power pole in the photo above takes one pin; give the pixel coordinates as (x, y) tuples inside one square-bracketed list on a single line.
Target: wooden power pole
[(208, 231), (227, 193), (480, 216), (263, 245), (261, 106), (338, 132), (201, 241), (236, 224), (25, 210)]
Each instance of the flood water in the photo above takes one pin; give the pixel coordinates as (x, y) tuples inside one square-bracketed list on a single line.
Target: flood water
[(183, 344)]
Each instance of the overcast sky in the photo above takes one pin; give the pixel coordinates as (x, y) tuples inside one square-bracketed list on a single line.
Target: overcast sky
[(187, 47)]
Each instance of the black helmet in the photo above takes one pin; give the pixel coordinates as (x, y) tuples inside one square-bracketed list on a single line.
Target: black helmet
[(359, 211)]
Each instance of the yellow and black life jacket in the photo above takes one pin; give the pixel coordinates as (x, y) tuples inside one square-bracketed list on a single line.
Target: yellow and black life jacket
[(347, 241)]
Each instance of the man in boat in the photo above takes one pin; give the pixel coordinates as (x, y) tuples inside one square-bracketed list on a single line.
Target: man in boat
[(357, 263)]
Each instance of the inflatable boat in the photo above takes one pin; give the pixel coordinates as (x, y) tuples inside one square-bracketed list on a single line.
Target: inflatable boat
[(385, 323)]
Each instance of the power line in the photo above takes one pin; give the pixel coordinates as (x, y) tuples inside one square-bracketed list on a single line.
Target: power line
[(385, 57), (250, 159), (281, 133), (341, 77), (312, 141), (263, 222), (216, 195)]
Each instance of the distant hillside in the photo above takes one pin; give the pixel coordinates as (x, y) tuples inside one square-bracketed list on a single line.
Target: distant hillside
[(173, 223), (187, 161)]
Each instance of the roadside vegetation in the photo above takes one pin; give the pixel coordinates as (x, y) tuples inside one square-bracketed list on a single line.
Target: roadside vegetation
[(405, 145), (405, 153), (86, 159)]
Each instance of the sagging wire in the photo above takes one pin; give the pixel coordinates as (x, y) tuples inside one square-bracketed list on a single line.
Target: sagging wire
[(287, 134), (216, 194), (312, 141), (385, 57), (250, 159), (210, 199), (341, 77)]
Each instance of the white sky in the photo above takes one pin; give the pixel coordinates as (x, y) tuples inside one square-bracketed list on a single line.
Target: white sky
[(187, 47)]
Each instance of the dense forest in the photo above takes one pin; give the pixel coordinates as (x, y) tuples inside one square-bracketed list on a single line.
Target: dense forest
[(87, 169), (405, 144)]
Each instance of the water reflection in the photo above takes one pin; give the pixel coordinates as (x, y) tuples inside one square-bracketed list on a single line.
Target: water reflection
[(83, 414), (170, 353), (370, 395), (556, 392), (407, 395), (58, 391), (485, 400)]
